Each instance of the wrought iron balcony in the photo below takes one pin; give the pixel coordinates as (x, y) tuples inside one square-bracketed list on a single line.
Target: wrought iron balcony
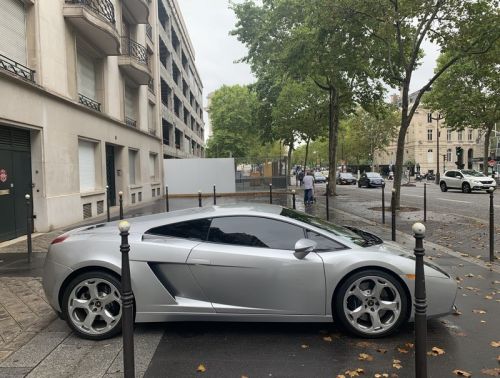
[(103, 8), (16, 68), (134, 61), (89, 103), (130, 122), (135, 50)]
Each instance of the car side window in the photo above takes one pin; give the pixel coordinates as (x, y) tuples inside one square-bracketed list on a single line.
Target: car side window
[(324, 244), (450, 174), (194, 230), (255, 232)]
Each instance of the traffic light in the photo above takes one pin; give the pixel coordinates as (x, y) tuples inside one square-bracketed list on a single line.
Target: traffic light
[(429, 117), (459, 150)]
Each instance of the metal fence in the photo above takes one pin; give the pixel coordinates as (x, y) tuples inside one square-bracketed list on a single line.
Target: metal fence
[(256, 174)]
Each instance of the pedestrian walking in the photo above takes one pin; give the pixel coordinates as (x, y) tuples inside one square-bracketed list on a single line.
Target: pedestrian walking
[(308, 188), (301, 177)]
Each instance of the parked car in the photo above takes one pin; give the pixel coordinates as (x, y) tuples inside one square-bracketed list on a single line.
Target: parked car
[(238, 263), (370, 180), (319, 178), (466, 180), (345, 178)]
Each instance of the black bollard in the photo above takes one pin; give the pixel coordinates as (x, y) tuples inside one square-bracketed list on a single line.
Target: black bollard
[(127, 304), (199, 198), (425, 202), (393, 214), (120, 200), (167, 207), (271, 194), (420, 303), (383, 203), (29, 226), (293, 199), (215, 196), (492, 226), (327, 204), (107, 203)]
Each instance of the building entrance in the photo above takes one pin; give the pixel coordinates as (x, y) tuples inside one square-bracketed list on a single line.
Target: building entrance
[(110, 174), (15, 181)]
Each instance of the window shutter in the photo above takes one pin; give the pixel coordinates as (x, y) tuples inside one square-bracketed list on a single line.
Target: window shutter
[(13, 30), (129, 103), (86, 154), (86, 77)]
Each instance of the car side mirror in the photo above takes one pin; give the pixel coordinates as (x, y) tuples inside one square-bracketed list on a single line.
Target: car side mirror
[(303, 247)]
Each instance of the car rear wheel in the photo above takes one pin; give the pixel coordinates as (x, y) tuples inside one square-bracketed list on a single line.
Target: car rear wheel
[(466, 188), (92, 305), (359, 184), (371, 304), (443, 186)]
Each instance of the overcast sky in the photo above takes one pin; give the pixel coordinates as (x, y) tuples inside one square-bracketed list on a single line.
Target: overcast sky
[(209, 23)]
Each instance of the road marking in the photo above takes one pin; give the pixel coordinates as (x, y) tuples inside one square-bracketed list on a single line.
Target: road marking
[(445, 199), (412, 195)]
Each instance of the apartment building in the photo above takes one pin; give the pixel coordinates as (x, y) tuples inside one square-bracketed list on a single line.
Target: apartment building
[(81, 108), (180, 86), (421, 145)]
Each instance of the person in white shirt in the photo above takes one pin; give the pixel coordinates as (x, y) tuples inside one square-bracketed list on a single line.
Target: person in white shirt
[(308, 188)]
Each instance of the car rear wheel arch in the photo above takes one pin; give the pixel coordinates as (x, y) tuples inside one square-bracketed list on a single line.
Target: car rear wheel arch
[(409, 301)]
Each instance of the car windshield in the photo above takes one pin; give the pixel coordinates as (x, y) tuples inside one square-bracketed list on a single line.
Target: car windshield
[(318, 174), (346, 175), (327, 226), (471, 172), (373, 174)]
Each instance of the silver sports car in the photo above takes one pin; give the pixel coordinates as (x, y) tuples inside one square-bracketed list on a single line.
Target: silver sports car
[(238, 263)]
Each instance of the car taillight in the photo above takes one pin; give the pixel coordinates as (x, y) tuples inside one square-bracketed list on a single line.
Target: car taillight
[(59, 239)]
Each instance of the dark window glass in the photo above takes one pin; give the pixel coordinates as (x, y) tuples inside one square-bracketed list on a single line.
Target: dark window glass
[(195, 230), (255, 232), (450, 174), (324, 244)]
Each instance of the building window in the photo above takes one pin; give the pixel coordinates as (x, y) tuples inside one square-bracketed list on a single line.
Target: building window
[(429, 134), (151, 119), (448, 135), (460, 135), (87, 165), (153, 167), (448, 154), (469, 134), (86, 76), (130, 101), (133, 166), (430, 156), (13, 30)]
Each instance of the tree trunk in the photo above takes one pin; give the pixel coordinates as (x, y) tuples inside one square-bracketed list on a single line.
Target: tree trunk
[(289, 163), (307, 153), (333, 129), (487, 149), (398, 169)]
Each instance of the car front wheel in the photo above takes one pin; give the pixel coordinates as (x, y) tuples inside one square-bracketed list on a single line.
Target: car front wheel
[(92, 305), (466, 188), (371, 304), (443, 186)]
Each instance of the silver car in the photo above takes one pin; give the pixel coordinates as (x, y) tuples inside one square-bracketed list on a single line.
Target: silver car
[(238, 263)]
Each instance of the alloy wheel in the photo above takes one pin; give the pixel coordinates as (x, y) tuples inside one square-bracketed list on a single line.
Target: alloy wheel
[(372, 305), (94, 306)]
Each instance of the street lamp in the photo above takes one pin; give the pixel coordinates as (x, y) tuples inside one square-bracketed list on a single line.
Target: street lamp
[(437, 119)]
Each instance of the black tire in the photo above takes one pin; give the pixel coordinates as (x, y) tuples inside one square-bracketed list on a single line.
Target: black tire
[(359, 184), (466, 188), (443, 186), (99, 275), (338, 307)]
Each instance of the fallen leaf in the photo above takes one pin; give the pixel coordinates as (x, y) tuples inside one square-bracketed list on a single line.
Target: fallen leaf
[(354, 373), (402, 350), (381, 375), (456, 313), (495, 372), (365, 357), (328, 338), (495, 344), (365, 344), (462, 373), (304, 346), (341, 376), (409, 345), (396, 364), (201, 368), (479, 312), (381, 350), (435, 351), (488, 297)]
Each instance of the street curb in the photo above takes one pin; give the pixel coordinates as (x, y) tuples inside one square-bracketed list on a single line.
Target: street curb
[(409, 238)]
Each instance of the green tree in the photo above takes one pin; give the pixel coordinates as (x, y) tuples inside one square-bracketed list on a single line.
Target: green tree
[(399, 27), (232, 117), (308, 39), (473, 100)]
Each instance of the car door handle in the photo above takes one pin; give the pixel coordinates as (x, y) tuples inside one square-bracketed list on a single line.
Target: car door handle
[(200, 262)]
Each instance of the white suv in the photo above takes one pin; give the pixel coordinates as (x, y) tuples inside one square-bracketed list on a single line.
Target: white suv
[(466, 179)]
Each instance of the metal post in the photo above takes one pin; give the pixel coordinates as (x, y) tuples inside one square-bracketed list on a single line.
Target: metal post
[(167, 207), (215, 196), (327, 204), (420, 303), (293, 199), (120, 195), (29, 227), (199, 198), (492, 226), (393, 214), (271, 194), (383, 203), (425, 202), (127, 304), (107, 203)]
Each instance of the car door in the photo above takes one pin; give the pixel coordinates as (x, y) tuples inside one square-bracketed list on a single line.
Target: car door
[(248, 266), (450, 179)]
